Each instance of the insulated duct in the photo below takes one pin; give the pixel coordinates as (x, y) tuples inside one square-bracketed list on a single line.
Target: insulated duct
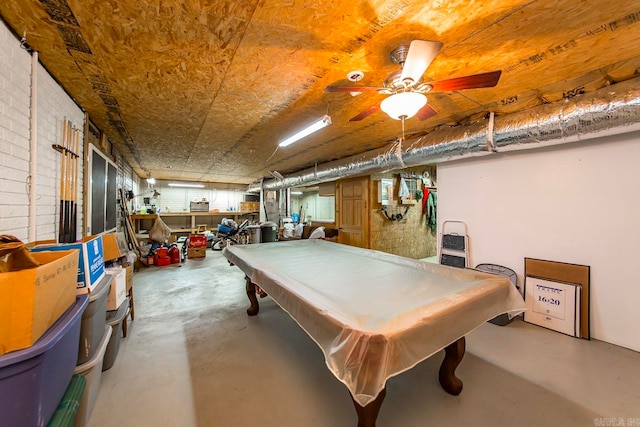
[(608, 111)]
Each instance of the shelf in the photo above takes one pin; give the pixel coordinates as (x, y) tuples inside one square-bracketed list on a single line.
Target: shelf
[(192, 216), (180, 214)]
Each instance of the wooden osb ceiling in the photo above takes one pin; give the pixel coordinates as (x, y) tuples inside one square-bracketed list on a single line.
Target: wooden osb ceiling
[(203, 90)]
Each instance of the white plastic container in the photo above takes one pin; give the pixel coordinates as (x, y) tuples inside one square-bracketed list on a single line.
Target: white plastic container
[(92, 371)]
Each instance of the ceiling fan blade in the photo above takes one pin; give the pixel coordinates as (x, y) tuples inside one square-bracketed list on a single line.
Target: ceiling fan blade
[(421, 54), (352, 89), (426, 112), (473, 81), (366, 113)]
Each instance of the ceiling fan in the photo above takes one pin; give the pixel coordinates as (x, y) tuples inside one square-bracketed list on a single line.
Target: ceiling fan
[(407, 89)]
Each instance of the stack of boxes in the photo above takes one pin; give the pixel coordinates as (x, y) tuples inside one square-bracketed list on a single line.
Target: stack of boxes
[(94, 281), (115, 256), (249, 206), (55, 304), (197, 246), (90, 261), (53, 324)]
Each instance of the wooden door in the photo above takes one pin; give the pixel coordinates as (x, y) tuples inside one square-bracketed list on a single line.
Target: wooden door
[(352, 214)]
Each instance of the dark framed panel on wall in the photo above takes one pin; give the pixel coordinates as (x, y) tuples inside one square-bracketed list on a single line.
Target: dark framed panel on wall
[(102, 204)]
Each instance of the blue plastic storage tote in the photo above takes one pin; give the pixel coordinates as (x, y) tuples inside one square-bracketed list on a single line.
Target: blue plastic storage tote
[(33, 380)]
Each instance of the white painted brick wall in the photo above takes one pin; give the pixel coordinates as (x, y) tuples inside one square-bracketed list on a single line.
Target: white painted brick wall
[(52, 106), (15, 65)]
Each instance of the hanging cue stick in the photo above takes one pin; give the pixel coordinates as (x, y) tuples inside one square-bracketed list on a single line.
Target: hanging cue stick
[(74, 194), (69, 174), (67, 185), (61, 229)]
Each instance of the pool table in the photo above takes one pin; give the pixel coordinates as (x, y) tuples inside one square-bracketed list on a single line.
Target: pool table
[(374, 315)]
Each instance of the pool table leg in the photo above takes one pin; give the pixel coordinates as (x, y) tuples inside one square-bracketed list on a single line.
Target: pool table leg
[(454, 353), (251, 293), (367, 415)]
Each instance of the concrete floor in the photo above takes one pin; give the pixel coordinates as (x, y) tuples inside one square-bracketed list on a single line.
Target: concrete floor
[(194, 358)]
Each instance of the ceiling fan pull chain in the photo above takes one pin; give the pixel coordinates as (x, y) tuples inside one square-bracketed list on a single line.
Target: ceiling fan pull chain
[(398, 146)]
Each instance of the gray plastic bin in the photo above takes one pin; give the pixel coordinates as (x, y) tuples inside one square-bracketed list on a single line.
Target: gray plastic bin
[(92, 371), (94, 321), (114, 319)]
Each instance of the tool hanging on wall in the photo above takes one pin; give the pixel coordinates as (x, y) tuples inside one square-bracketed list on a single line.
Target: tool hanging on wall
[(69, 147), (432, 210), (396, 216), (130, 234)]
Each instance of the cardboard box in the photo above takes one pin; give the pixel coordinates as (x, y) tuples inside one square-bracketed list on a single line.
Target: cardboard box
[(32, 300), (197, 241), (249, 206), (118, 291), (114, 246), (196, 252), (202, 206), (90, 261)]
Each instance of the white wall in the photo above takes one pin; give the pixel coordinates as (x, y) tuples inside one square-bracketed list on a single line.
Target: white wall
[(576, 203), (15, 66), (319, 208), (53, 105), (178, 199)]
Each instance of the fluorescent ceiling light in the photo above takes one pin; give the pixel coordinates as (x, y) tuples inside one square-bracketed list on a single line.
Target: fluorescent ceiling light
[(296, 193), (276, 175), (177, 184), (313, 127)]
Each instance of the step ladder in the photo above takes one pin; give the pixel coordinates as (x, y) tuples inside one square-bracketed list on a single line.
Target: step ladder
[(454, 244)]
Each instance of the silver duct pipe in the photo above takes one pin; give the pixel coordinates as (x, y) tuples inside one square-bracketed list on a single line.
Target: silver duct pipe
[(608, 111)]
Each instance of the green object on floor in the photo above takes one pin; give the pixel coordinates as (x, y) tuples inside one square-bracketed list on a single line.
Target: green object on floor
[(68, 406)]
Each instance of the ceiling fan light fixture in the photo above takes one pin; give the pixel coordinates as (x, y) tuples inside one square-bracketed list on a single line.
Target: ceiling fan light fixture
[(403, 105), (313, 127)]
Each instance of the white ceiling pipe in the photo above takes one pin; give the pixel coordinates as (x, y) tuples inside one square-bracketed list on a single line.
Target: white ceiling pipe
[(33, 144)]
